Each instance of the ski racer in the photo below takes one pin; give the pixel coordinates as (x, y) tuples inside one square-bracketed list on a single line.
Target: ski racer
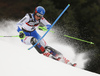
[(26, 28)]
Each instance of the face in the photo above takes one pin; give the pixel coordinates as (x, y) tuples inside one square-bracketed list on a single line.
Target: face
[(36, 17)]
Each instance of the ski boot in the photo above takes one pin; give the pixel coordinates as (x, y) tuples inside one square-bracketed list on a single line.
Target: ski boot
[(55, 54)]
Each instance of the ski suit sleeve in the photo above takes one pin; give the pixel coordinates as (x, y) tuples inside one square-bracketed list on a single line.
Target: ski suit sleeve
[(21, 22), (45, 22)]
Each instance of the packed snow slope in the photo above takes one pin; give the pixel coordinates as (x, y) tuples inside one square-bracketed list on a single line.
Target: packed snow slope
[(16, 60)]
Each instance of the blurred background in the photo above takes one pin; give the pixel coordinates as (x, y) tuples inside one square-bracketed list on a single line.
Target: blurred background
[(81, 20)]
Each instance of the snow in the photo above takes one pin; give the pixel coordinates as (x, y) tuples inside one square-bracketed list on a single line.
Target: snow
[(16, 60)]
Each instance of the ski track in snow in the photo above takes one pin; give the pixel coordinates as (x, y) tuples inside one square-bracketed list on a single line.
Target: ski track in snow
[(14, 56)]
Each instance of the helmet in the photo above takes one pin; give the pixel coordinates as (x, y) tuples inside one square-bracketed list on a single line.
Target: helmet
[(40, 10)]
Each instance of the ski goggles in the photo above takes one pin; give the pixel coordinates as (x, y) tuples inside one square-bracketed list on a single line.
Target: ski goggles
[(39, 15)]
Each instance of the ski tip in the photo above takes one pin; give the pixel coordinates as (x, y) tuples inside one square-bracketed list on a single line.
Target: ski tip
[(69, 4)]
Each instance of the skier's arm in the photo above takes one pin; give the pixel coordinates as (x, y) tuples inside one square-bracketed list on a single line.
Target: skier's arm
[(46, 23), (19, 27), (21, 22)]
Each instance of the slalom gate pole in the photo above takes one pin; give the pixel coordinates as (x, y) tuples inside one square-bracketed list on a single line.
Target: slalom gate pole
[(50, 27)]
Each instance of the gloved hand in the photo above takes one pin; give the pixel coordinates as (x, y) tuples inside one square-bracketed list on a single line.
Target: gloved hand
[(42, 28), (21, 35), (48, 26)]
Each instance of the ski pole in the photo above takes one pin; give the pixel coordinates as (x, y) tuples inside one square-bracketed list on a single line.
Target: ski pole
[(78, 39), (50, 27), (10, 36)]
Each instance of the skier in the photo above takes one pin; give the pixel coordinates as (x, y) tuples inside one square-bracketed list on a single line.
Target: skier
[(28, 34)]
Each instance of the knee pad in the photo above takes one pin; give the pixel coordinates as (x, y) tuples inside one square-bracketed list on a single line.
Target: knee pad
[(33, 40)]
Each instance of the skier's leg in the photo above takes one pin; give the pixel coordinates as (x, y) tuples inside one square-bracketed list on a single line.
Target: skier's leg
[(56, 55), (31, 38), (47, 51), (26, 40), (43, 48), (37, 36), (38, 47)]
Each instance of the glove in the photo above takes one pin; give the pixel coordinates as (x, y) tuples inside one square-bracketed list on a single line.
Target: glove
[(21, 35), (42, 28), (48, 26)]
